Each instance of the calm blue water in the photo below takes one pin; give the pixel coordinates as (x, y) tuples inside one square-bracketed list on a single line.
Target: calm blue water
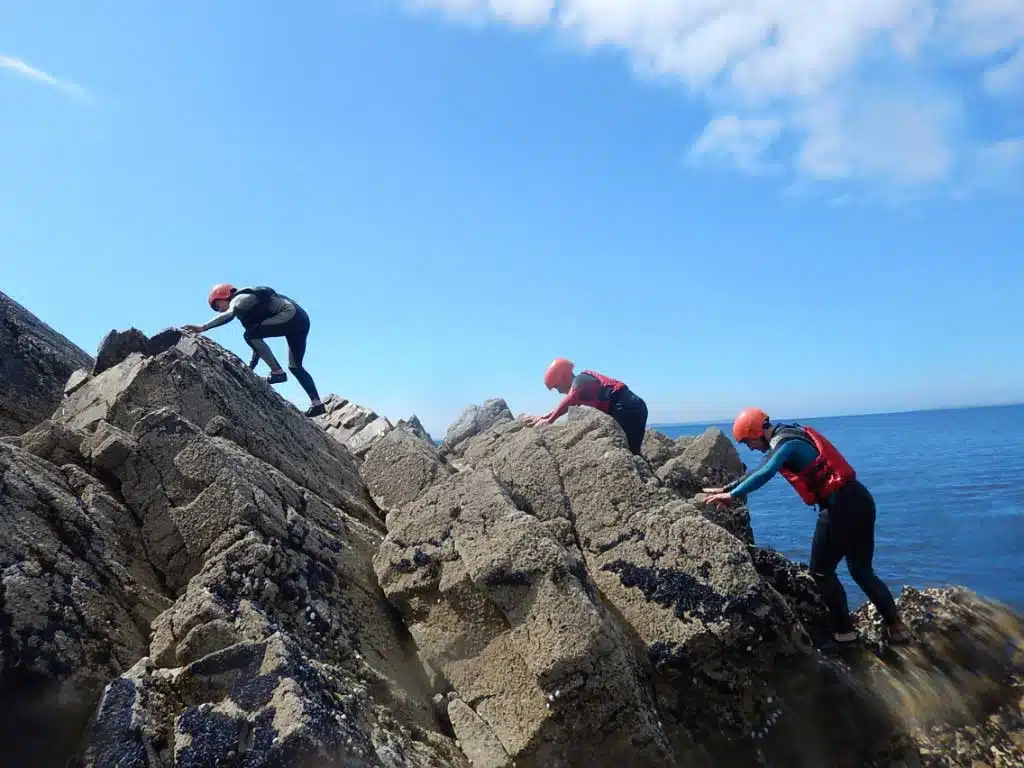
[(949, 490)]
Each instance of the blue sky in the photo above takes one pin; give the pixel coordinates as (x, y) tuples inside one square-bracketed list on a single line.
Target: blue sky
[(814, 210)]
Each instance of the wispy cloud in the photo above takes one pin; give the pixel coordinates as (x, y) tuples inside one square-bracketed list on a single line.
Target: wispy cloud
[(21, 67), (836, 91), (737, 141)]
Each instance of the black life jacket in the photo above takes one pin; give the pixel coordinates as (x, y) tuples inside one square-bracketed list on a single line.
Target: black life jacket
[(253, 316)]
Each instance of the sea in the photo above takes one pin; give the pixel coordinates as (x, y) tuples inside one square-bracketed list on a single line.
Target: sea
[(948, 485)]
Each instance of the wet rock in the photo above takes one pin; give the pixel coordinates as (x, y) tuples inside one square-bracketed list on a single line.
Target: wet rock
[(795, 583), (35, 363)]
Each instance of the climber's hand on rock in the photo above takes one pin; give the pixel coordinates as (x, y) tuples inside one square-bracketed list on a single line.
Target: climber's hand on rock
[(719, 500), (190, 328)]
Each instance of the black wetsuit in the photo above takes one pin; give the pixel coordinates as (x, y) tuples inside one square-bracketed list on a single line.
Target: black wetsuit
[(262, 321)]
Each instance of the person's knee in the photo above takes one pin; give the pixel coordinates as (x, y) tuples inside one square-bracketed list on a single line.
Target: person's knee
[(824, 576), (862, 573)]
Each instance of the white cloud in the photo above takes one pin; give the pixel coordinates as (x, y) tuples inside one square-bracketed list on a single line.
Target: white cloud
[(877, 136), (740, 141), (861, 86), (20, 67)]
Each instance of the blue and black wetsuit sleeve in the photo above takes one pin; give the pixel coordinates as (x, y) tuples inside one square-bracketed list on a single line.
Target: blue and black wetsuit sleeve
[(773, 462)]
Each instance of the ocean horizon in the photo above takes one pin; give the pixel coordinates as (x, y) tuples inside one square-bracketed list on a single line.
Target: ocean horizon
[(852, 415)]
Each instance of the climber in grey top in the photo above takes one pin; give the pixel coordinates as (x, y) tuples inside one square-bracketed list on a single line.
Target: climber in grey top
[(266, 313), (279, 309)]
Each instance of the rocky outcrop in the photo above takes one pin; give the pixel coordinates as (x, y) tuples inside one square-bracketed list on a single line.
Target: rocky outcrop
[(583, 611), (473, 420), (190, 558), (35, 363), (195, 574), (354, 426), (358, 428), (415, 427)]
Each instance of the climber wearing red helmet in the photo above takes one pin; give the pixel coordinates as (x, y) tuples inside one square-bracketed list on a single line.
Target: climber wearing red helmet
[(846, 521), (597, 391), (264, 313)]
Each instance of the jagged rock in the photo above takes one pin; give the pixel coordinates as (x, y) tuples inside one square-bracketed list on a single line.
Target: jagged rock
[(117, 346), (354, 426), (182, 534), (399, 467), (511, 618), (279, 645), (957, 688), (726, 628), (473, 420), (712, 458), (659, 447), (76, 380), (481, 746), (76, 600), (253, 704), (49, 440), (795, 583), (735, 519), (280, 630), (214, 390), (35, 363), (676, 473), (415, 426)]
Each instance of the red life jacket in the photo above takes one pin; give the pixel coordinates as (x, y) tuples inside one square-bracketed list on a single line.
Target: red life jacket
[(609, 387), (822, 477)]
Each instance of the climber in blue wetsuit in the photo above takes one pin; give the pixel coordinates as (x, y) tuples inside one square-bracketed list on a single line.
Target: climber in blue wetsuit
[(846, 521)]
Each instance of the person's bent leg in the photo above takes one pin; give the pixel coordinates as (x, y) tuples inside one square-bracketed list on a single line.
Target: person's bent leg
[(254, 338), (296, 338), (631, 414), (860, 508), (826, 552)]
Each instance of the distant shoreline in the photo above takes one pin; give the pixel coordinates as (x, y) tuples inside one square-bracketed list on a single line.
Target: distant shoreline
[(866, 414)]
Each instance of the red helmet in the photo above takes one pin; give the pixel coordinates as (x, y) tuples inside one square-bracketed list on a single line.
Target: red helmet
[(558, 374), (749, 424), (220, 291)]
